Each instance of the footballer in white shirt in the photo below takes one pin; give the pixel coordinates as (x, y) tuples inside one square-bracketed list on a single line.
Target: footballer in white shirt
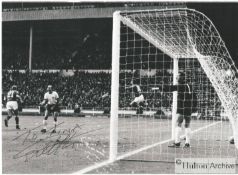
[(51, 99)]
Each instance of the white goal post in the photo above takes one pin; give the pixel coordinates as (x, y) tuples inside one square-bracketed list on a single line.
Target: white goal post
[(181, 34)]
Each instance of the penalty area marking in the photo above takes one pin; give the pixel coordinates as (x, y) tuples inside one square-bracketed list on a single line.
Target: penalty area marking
[(107, 162)]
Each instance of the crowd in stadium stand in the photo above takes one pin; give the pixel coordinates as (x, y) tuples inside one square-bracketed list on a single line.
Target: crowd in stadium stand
[(92, 90), (85, 89), (89, 90)]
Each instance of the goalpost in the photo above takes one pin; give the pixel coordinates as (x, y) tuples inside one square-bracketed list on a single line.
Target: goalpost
[(150, 49)]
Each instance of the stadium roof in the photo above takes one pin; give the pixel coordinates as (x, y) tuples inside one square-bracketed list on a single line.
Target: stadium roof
[(52, 5), (20, 11)]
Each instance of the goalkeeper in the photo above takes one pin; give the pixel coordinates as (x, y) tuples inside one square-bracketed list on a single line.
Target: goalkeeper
[(187, 102)]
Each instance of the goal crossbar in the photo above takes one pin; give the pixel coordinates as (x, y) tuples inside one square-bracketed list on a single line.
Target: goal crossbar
[(187, 33)]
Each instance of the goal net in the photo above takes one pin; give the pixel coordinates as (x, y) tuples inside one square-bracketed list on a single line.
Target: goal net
[(151, 49)]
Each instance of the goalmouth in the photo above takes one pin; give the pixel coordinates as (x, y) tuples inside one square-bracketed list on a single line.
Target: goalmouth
[(158, 44)]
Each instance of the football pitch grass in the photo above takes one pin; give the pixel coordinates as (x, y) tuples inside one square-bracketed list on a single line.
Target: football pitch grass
[(82, 142)]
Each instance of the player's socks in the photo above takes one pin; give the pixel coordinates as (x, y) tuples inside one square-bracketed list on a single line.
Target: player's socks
[(6, 122), (17, 122), (177, 134), (176, 143), (187, 135), (9, 117), (44, 124), (55, 124)]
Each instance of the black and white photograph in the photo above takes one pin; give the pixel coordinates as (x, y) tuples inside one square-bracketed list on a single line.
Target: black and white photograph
[(119, 87)]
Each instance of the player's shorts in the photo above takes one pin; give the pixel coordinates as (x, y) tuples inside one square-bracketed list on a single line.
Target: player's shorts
[(139, 99), (184, 117), (12, 105), (52, 108)]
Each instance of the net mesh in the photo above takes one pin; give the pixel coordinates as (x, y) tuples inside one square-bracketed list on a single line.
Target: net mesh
[(149, 41)]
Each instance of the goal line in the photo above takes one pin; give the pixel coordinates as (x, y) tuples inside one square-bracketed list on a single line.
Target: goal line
[(107, 162)]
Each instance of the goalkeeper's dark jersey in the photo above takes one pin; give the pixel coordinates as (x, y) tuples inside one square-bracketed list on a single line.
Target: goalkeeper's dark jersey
[(187, 99)]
